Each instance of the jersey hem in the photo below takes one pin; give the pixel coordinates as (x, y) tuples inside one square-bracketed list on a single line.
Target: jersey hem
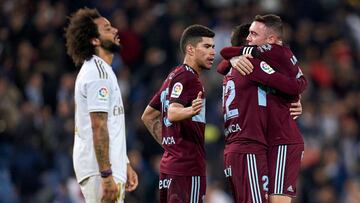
[(121, 178), (182, 174), (286, 143)]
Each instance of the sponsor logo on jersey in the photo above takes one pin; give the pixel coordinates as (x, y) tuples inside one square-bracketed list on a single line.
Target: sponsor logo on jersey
[(266, 67), (177, 89), (168, 141), (233, 128), (118, 110), (165, 183), (103, 93)]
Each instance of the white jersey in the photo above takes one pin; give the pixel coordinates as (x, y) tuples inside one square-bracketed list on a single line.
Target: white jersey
[(97, 90)]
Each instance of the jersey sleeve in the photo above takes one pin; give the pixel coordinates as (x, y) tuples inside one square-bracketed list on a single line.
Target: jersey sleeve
[(264, 74), (155, 102), (229, 52), (223, 67), (98, 93), (182, 89)]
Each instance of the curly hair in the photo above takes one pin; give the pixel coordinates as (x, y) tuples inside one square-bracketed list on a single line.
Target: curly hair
[(193, 34), (80, 30)]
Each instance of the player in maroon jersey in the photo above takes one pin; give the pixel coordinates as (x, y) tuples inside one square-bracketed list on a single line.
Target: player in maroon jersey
[(285, 141), (175, 117), (245, 125)]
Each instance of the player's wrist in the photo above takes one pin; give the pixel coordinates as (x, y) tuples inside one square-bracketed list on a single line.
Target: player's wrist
[(106, 173)]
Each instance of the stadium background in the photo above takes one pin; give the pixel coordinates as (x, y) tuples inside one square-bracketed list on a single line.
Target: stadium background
[(37, 79)]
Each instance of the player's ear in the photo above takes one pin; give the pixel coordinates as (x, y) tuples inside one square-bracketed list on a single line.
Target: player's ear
[(95, 41), (190, 49), (271, 39)]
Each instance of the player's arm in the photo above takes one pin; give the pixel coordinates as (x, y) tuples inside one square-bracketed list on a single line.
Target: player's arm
[(244, 66), (229, 52), (152, 120), (177, 111), (101, 139), (265, 75), (101, 146), (223, 67)]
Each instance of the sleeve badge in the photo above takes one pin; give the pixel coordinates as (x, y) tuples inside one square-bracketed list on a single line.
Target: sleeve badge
[(103, 94), (266, 68), (176, 90)]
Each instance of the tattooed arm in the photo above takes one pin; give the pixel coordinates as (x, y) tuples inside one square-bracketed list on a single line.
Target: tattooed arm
[(152, 120), (101, 146), (101, 139)]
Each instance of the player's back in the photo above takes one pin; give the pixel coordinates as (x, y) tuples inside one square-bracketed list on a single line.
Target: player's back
[(244, 108), (282, 129)]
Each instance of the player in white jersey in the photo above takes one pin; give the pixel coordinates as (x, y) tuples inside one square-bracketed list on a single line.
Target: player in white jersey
[(100, 161)]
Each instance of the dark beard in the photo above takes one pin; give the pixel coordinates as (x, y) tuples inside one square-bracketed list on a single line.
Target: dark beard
[(110, 46)]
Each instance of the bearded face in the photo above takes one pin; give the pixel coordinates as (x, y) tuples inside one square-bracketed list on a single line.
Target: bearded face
[(110, 46)]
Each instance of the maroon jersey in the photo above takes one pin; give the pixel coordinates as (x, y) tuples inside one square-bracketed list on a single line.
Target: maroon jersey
[(245, 102), (282, 129), (183, 141), (245, 121)]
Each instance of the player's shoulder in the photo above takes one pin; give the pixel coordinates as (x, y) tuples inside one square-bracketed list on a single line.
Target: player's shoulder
[(183, 72), (273, 48), (94, 69), (275, 51)]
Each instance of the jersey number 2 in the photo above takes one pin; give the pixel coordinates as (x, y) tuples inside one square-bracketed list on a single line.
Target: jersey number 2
[(228, 97)]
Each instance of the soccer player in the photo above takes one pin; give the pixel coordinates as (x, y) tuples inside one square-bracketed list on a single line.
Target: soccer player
[(286, 145), (101, 165), (244, 104), (175, 117)]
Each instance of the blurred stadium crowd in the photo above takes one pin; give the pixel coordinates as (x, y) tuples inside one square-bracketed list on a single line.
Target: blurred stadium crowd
[(37, 81)]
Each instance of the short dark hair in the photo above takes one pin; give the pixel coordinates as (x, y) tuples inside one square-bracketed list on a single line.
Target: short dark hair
[(193, 35), (79, 32), (271, 21), (239, 34)]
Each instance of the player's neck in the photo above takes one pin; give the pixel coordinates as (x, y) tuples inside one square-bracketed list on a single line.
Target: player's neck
[(105, 55), (192, 64)]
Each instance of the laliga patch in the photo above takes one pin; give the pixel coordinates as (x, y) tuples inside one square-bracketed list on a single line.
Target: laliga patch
[(266, 67), (103, 94), (177, 89)]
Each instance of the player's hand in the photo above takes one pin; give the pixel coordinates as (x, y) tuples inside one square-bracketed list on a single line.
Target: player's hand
[(197, 104), (132, 179), (243, 64), (296, 109), (110, 189)]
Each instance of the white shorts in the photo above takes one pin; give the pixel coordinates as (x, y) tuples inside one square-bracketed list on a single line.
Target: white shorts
[(92, 189)]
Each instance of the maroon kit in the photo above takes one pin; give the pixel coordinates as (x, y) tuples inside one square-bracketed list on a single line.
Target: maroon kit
[(250, 127), (182, 166)]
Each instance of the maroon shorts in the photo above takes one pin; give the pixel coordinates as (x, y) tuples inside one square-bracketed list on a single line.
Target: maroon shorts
[(247, 174), (284, 168), (182, 189)]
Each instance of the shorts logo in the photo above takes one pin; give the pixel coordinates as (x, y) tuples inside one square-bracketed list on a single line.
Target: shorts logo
[(290, 189), (165, 183), (266, 67), (103, 93), (176, 91), (228, 172)]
